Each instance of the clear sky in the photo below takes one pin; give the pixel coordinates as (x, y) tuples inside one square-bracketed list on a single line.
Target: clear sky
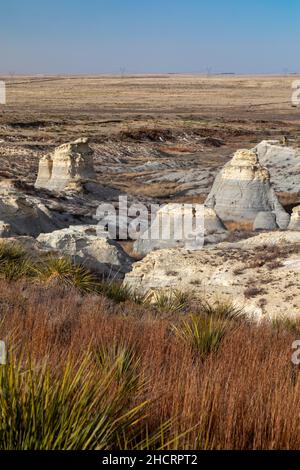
[(106, 36)]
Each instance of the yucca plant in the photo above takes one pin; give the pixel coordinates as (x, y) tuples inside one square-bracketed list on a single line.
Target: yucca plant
[(14, 261), (83, 408), (223, 310), (115, 290), (169, 301), (202, 334), (120, 355), (63, 271), (86, 406)]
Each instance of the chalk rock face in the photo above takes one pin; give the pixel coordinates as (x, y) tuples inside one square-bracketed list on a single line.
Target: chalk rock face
[(168, 229), (225, 272), (69, 166), (283, 164), (265, 221), (21, 214), (242, 190), (295, 219), (98, 253), (266, 240)]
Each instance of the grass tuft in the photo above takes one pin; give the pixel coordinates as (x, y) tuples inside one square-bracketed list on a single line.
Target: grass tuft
[(62, 271), (169, 301), (203, 335)]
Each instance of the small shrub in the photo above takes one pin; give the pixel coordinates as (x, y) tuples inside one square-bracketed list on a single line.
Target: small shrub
[(73, 411), (169, 301), (253, 292), (202, 334), (63, 271), (14, 262), (115, 291), (223, 310)]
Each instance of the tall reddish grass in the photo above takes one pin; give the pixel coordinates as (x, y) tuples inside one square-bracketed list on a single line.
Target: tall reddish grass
[(244, 396)]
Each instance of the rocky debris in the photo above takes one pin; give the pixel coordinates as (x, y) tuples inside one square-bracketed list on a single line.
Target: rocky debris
[(168, 230), (295, 219), (283, 164), (265, 221), (265, 241), (264, 283), (69, 167), (242, 189), (21, 214), (86, 246), (5, 230)]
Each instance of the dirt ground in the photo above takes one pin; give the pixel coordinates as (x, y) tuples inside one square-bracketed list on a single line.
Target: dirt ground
[(154, 136)]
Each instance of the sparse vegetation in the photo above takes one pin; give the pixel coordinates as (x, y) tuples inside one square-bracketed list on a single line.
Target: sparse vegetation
[(63, 271), (223, 310), (169, 301), (202, 334), (131, 383), (14, 262), (253, 291)]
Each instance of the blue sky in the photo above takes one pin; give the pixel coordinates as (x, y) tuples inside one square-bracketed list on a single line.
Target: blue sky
[(104, 36)]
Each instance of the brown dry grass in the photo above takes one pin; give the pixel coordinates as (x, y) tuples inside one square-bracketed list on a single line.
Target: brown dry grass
[(245, 396)]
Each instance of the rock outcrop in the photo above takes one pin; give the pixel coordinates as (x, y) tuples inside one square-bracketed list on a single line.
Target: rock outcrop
[(69, 167), (295, 219), (265, 221), (22, 214), (283, 163), (242, 190), (262, 281), (84, 244), (167, 230)]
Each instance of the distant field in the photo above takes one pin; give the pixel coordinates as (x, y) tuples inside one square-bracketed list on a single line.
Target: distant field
[(154, 95), (194, 120)]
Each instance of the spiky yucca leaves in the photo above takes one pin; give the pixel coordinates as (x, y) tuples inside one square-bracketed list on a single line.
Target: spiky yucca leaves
[(169, 301), (14, 261), (121, 355), (202, 334), (114, 290), (62, 270), (84, 408), (223, 310)]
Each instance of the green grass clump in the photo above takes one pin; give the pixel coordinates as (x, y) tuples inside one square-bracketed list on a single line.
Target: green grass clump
[(286, 323), (81, 408), (169, 301), (63, 271), (120, 355), (14, 262), (222, 310), (202, 334), (115, 290), (90, 405)]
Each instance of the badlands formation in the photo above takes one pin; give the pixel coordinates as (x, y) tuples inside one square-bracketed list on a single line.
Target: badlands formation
[(259, 273), (258, 269), (71, 165)]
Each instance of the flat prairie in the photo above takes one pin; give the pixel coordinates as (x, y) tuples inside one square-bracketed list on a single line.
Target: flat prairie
[(144, 127)]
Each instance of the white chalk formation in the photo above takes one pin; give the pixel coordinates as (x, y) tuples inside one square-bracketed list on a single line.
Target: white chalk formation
[(295, 219), (242, 191), (168, 229), (21, 214), (84, 245), (283, 163), (68, 168)]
